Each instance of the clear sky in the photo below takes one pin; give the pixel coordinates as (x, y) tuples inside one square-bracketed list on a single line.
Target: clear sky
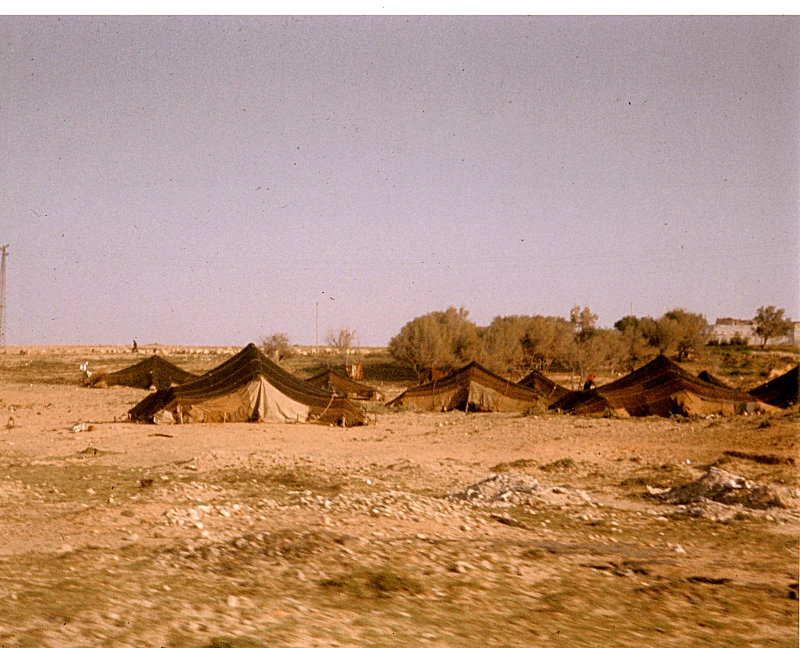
[(214, 180)]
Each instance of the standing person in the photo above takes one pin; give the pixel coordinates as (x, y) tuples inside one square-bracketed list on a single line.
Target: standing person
[(589, 384), (135, 348)]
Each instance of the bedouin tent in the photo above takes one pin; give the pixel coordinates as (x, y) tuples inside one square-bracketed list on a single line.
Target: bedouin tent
[(153, 371), (660, 388), (334, 382), (783, 391), (471, 388), (711, 378), (549, 390), (246, 387)]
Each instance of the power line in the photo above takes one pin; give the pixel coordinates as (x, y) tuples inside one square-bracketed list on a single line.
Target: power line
[(3, 255)]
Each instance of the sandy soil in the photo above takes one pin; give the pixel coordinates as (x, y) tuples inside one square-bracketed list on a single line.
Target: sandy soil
[(117, 534)]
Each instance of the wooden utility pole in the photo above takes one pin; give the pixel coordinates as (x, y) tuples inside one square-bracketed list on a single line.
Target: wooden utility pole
[(3, 255)]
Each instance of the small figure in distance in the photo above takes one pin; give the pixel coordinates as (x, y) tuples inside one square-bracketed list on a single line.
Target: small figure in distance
[(589, 384), (135, 348)]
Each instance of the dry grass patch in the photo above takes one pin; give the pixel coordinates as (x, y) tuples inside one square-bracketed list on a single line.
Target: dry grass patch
[(373, 582), (282, 479)]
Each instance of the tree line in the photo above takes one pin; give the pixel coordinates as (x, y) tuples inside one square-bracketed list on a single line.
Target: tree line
[(514, 345)]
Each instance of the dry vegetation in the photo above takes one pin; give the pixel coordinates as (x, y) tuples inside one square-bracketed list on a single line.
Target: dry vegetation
[(256, 535)]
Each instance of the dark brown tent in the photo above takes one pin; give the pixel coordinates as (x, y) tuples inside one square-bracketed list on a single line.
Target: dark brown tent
[(783, 391), (660, 388), (247, 387), (472, 388), (711, 378), (437, 374), (550, 391), (341, 385), (153, 371)]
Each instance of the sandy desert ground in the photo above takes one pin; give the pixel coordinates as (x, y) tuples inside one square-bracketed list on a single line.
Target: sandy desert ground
[(450, 529)]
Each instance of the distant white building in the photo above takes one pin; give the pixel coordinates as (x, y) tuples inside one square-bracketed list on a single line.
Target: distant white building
[(727, 329)]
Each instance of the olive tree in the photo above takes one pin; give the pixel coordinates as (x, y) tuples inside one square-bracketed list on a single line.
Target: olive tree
[(584, 350), (276, 346), (611, 350), (342, 340), (692, 331), (770, 323), (502, 345), (677, 331), (438, 340), (546, 342), (661, 334), (583, 319), (633, 340)]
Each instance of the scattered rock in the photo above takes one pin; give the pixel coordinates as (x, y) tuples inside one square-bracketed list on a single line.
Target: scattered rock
[(461, 567), (726, 488), (507, 489), (499, 487)]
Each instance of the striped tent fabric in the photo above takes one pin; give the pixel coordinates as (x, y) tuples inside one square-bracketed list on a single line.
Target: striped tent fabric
[(783, 391), (711, 378), (660, 388), (550, 391), (153, 371), (247, 387), (334, 382), (471, 388)]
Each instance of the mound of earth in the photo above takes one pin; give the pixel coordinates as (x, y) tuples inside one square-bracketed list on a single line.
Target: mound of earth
[(726, 488), (519, 489)]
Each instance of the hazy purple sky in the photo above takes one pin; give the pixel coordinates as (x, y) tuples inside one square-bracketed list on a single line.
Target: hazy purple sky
[(210, 180)]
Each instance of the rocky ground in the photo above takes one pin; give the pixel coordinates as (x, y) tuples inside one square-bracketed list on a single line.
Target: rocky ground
[(428, 529)]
